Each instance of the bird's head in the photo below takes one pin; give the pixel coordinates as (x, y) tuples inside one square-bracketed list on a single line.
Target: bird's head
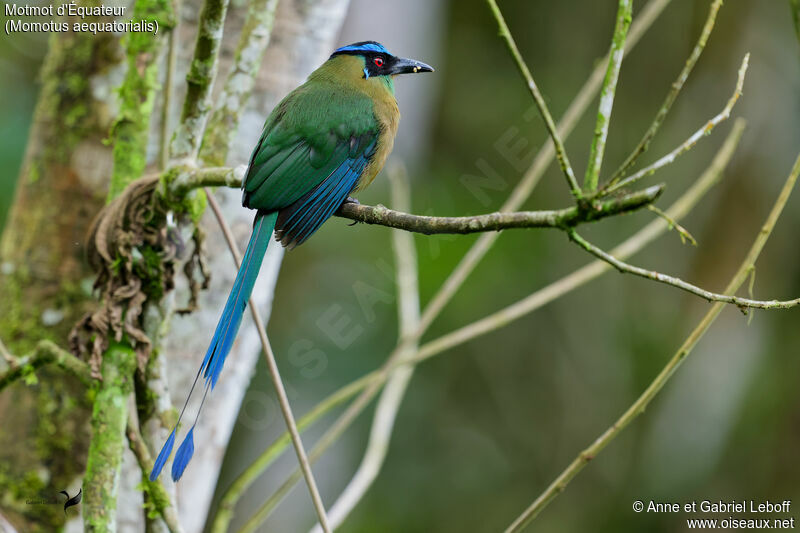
[(373, 61)]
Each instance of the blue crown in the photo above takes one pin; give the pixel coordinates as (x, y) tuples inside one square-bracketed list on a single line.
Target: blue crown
[(363, 46)]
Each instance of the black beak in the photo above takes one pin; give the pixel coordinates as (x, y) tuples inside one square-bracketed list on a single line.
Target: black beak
[(402, 65)]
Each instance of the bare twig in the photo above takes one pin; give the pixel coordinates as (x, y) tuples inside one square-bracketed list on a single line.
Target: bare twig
[(137, 94), (392, 396), (682, 232), (607, 93), (561, 153), (283, 399), (240, 485), (688, 143), (157, 493), (658, 383), (626, 268), (675, 88)]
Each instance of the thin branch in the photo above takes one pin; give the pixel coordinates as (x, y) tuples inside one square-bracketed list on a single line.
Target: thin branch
[(240, 485), (531, 178), (498, 221), (638, 407), (626, 268), (199, 82), (616, 52), (408, 311), (682, 232), (795, 7), (157, 493), (224, 121), (46, 353), (561, 153), (380, 215), (372, 382), (169, 84), (283, 399), (677, 211), (675, 88), (688, 143)]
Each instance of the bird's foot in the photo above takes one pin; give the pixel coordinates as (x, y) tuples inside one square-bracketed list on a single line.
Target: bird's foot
[(351, 200)]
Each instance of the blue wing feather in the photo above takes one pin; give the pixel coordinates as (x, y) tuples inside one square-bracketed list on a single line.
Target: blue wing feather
[(300, 220)]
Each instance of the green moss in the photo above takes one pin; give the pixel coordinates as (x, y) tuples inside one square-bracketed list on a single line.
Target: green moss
[(18, 491), (131, 129), (150, 269), (66, 93), (195, 205), (21, 326), (109, 418)]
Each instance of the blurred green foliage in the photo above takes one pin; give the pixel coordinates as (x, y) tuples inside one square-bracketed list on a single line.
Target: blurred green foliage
[(20, 59)]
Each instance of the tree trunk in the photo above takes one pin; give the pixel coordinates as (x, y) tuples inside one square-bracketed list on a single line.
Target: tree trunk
[(45, 283)]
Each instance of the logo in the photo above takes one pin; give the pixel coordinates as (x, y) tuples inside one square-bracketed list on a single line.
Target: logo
[(75, 500)]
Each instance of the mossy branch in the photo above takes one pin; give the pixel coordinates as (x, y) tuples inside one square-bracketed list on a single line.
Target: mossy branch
[(190, 179), (615, 54), (137, 95), (109, 418), (199, 81), (46, 353), (224, 121)]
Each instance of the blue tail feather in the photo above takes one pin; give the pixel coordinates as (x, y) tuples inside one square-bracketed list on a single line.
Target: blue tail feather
[(183, 455), (161, 460), (224, 336)]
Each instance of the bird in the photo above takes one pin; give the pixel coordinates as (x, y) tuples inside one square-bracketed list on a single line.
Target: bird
[(74, 500), (327, 139)]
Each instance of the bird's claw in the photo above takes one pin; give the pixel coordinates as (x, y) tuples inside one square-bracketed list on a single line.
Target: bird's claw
[(351, 200)]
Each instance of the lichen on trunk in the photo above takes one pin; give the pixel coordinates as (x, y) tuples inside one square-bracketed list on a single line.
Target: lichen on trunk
[(43, 276)]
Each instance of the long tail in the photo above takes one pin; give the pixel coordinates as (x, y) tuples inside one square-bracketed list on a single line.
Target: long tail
[(222, 341)]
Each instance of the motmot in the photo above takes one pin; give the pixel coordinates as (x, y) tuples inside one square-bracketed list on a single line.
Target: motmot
[(326, 140)]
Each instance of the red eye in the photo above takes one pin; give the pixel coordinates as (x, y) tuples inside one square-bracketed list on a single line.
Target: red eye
[(378, 62)]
